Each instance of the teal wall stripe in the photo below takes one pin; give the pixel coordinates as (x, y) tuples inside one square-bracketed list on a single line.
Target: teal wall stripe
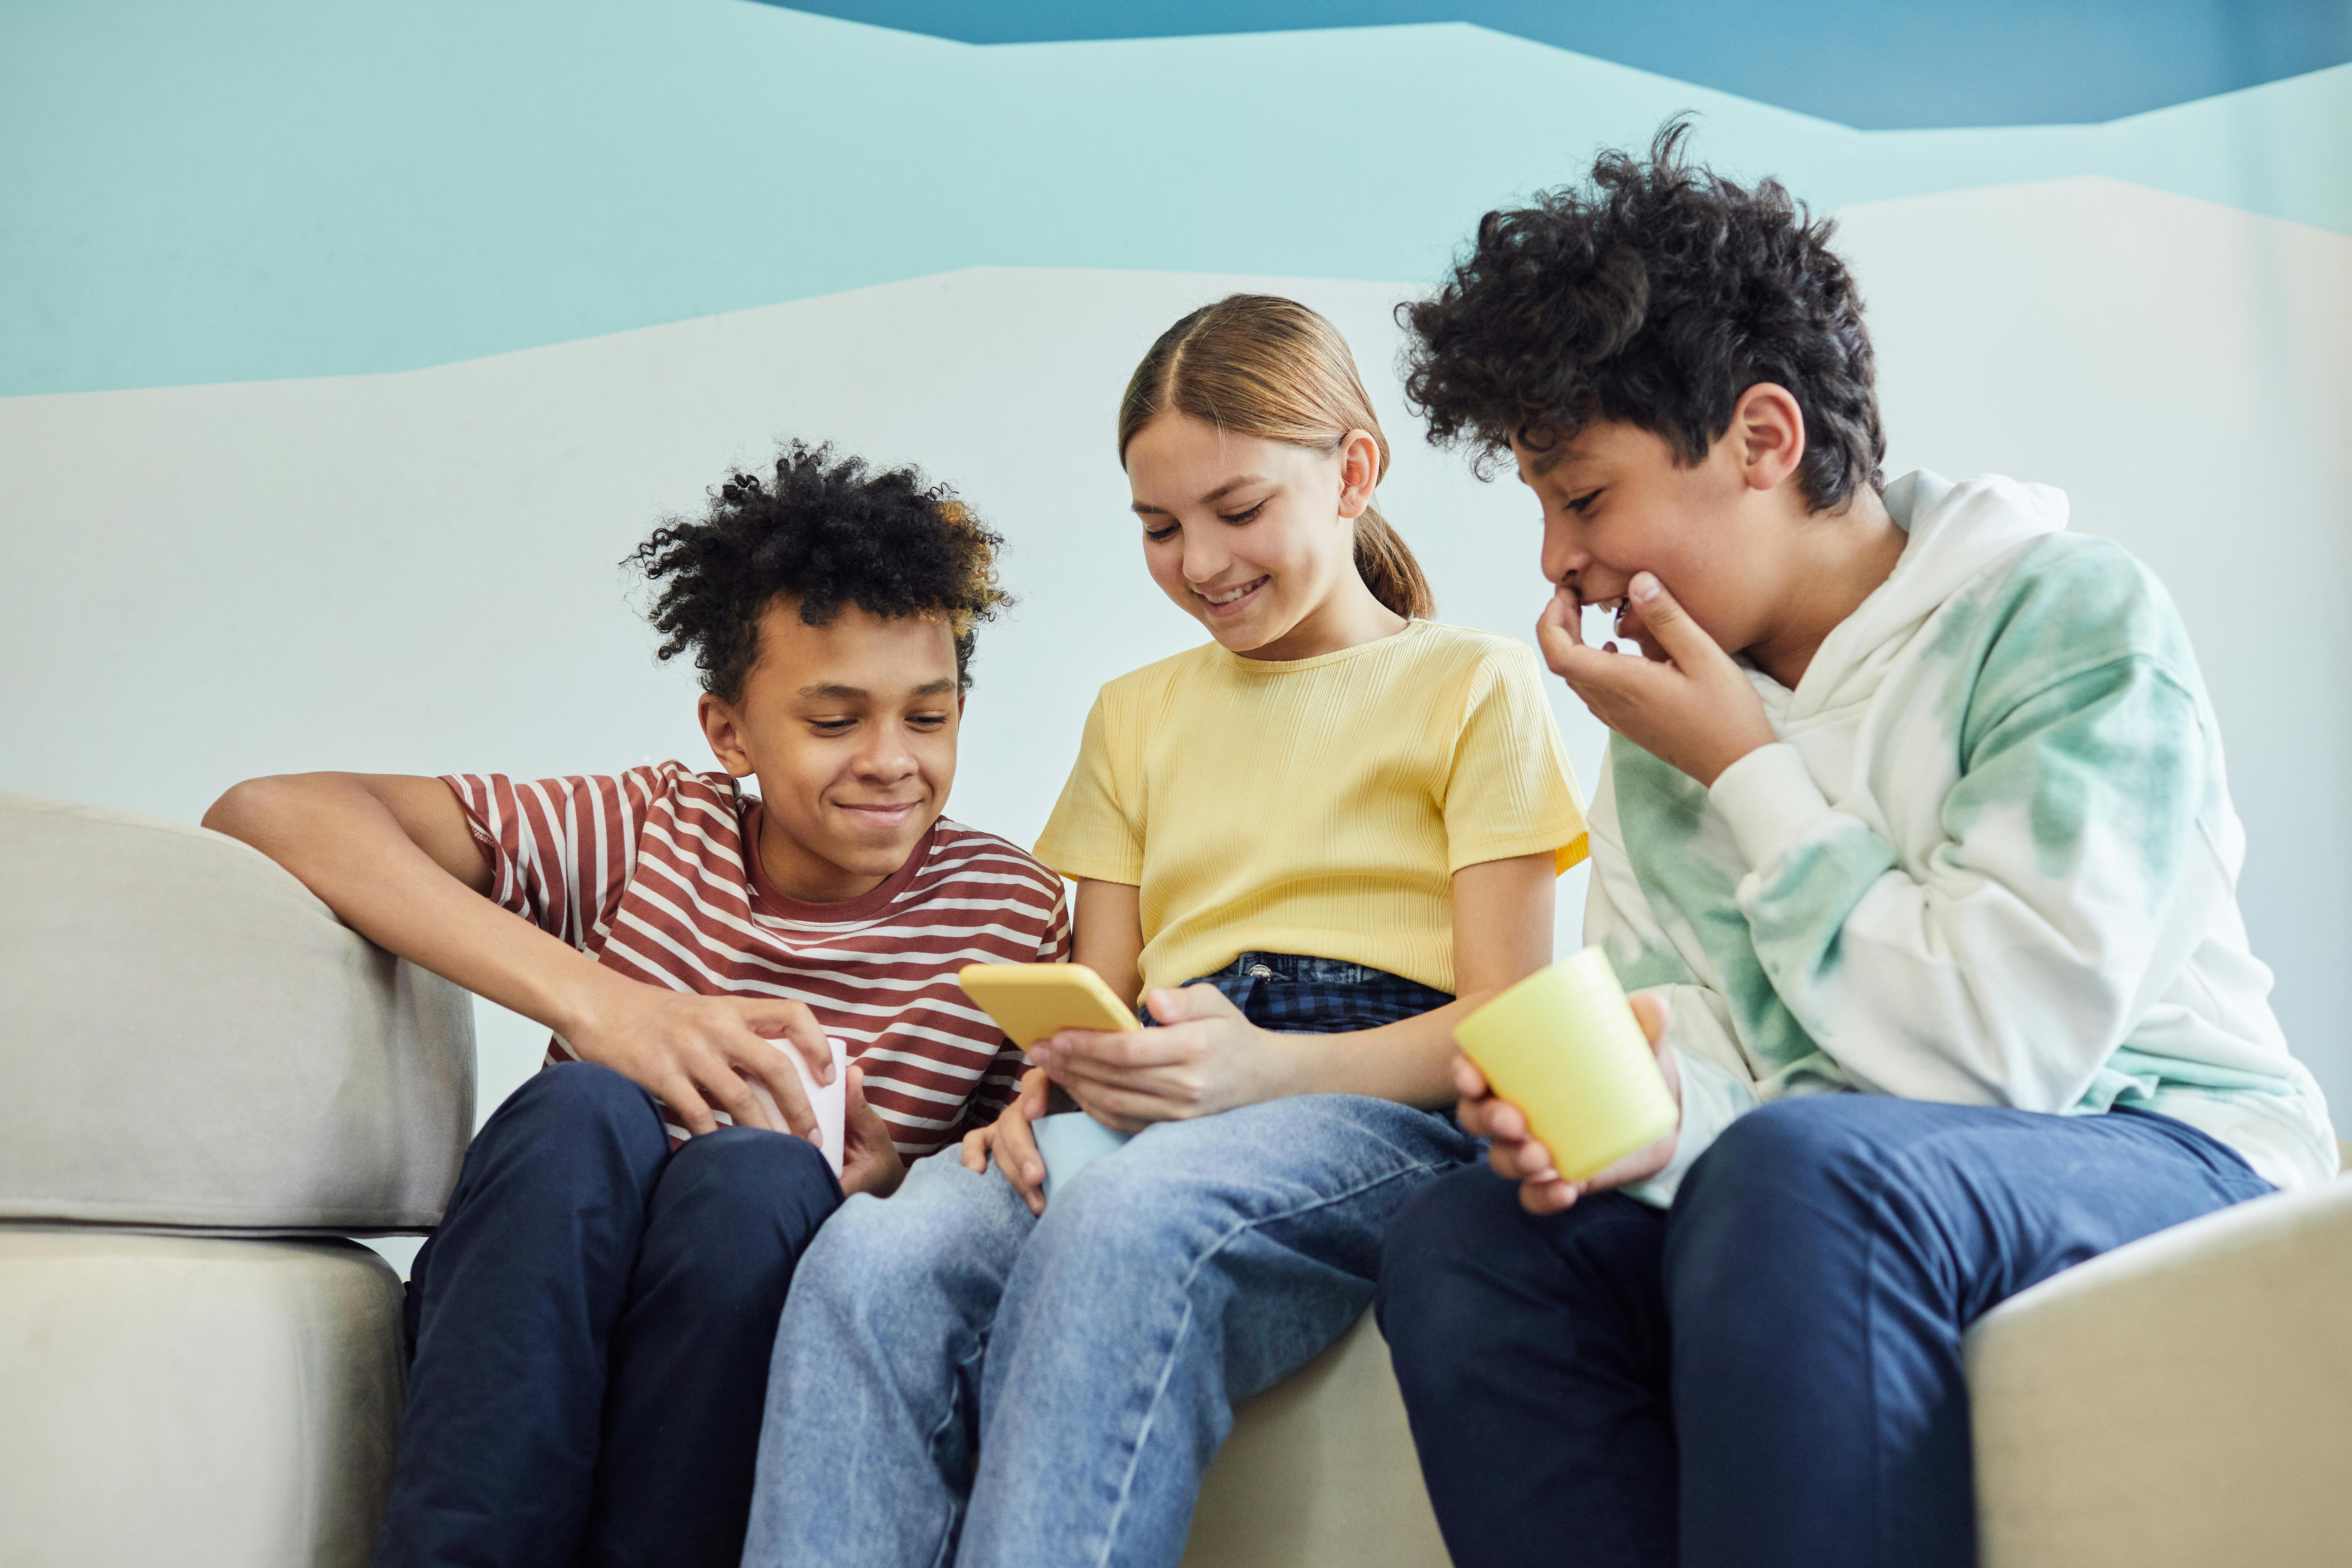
[(1878, 64), (266, 188)]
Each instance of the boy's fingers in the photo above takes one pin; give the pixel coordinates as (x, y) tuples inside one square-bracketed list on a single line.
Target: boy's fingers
[(685, 1105), (763, 1059), (975, 1149), (1541, 1197), (1685, 640), (790, 1021), (1651, 1009), (1468, 1081), (724, 1088), (1560, 626), (1017, 1158)]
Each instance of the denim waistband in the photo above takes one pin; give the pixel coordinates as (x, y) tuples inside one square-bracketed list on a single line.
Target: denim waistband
[(1297, 993), (1299, 969)]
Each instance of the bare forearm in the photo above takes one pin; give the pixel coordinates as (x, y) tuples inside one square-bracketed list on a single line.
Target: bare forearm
[(1408, 1061), (340, 838), (1502, 935)]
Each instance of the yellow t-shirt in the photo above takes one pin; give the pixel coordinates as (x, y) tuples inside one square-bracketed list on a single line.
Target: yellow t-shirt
[(1315, 806)]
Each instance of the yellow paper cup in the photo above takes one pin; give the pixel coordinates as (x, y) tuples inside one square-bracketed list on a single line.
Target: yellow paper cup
[(1564, 1047)]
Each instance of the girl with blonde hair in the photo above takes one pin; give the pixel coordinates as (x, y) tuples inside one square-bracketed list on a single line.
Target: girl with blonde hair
[(1341, 821)]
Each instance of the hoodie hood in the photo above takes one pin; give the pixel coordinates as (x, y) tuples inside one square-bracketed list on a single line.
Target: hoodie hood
[(1958, 534)]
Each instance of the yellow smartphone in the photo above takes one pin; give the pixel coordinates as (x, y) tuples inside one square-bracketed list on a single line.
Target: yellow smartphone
[(1032, 1002)]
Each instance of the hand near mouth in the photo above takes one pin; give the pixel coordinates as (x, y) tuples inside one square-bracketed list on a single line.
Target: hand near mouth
[(1694, 710)]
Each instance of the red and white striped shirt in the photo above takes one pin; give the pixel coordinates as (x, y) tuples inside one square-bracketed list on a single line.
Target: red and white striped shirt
[(646, 873)]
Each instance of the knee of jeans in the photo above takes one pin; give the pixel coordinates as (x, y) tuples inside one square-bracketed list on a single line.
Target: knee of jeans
[(1806, 1145), (1126, 1206), (1773, 1186), (877, 1254), (580, 1093), (730, 1184), (1430, 1274)]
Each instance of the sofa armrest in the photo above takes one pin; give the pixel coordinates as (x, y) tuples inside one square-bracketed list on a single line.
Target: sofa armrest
[(2183, 1400), (189, 1039)]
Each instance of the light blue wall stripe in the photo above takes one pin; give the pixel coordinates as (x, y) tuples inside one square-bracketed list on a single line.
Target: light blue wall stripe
[(267, 188)]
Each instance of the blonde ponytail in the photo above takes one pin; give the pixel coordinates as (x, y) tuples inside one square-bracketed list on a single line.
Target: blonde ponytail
[(1389, 569), (1258, 365)]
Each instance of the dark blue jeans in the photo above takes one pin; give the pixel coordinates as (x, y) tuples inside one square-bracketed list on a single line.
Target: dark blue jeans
[(1768, 1376), (591, 1327)]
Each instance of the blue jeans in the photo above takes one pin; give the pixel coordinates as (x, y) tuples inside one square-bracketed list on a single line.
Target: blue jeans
[(1769, 1376), (955, 1381), (590, 1323)]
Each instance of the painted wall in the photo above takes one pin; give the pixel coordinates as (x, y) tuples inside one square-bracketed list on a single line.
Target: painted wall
[(344, 350)]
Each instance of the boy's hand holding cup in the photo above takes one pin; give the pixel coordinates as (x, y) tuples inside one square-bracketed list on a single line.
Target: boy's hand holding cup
[(1574, 1084)]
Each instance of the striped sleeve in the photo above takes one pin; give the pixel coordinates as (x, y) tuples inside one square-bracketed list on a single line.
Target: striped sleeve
[(562, 851)]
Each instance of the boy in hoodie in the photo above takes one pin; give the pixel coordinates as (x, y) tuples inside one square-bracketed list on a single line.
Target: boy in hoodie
[(1914, 826)]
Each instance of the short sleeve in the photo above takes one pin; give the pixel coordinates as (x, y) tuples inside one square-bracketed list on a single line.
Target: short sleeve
[(561, 850), (1095, 832), (1510, 791)]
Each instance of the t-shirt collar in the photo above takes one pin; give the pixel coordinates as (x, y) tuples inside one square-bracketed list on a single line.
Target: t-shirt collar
[(767, 901)]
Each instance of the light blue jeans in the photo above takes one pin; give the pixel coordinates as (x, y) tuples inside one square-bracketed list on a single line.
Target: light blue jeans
[(956, 1382)]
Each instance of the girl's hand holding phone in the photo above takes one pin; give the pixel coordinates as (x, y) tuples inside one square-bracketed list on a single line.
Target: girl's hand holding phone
[(1204, 1057)]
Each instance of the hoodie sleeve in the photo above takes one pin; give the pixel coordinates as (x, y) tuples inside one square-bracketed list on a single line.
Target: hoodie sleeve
[(2005, 964), (1620, 919)]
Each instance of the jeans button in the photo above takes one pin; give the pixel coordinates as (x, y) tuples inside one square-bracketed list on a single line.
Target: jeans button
[(1260, 971)]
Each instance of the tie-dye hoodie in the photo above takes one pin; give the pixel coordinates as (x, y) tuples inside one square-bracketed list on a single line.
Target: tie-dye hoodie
[(1991, 860)]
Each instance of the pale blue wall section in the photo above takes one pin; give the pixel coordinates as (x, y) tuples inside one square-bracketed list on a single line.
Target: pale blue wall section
[(267, 188)]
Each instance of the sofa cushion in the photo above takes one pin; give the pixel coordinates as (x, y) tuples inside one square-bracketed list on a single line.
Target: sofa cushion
[(188, 1037), (1319, 1472), (208, 1403), (2182, 1401)]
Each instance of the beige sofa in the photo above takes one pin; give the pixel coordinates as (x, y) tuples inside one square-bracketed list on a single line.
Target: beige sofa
[(206, 1080)]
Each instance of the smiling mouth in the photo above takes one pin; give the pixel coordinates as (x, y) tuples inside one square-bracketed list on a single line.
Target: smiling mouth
[(1617, 605), (881, 811), (1226, 600)]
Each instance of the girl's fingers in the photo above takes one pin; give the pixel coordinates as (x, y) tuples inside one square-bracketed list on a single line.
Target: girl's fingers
[(1120, 1108), (1141, 1048), (1164, 1081)]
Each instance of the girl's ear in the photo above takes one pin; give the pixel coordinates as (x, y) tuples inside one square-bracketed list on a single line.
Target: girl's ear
[(724, 730), (1360, 472)]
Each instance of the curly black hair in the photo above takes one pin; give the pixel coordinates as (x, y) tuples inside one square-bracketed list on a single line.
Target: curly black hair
[(1653, 295), (828, 530)]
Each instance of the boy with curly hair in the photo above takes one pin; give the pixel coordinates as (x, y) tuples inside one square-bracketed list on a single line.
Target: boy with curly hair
[(590, 1325), (1915, 827)]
